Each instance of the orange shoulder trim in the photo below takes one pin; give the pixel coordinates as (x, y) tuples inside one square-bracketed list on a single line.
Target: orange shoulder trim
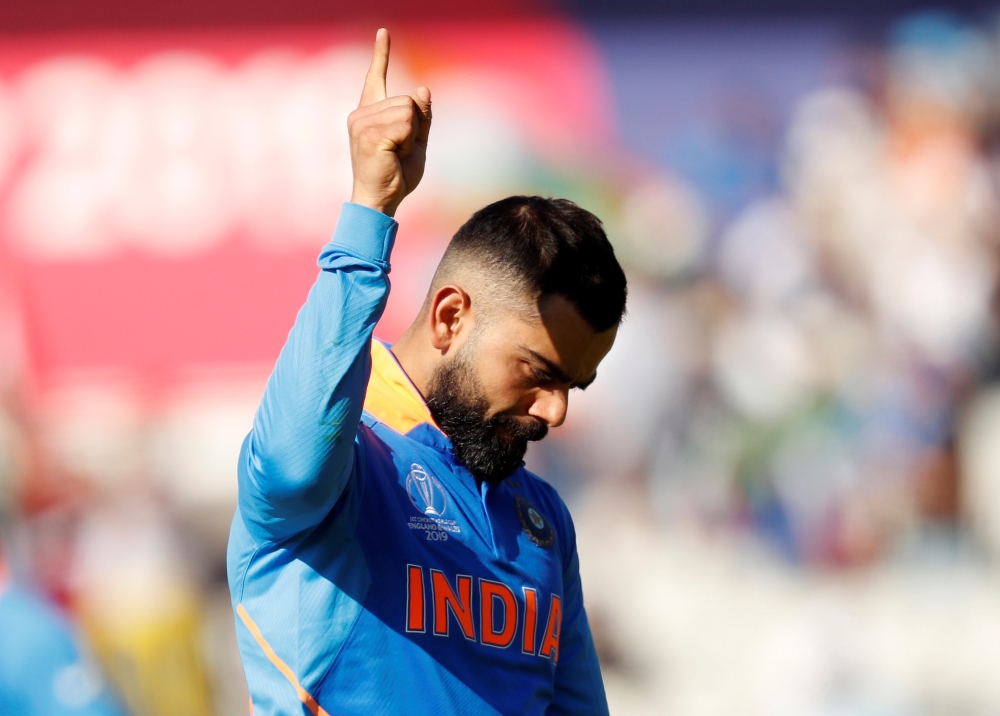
[(314, 708), (391, 397)]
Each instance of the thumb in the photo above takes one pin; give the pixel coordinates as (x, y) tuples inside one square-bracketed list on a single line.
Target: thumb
[(422, 98)]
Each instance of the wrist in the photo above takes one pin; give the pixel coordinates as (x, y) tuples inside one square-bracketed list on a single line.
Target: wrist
[(380, 205), (364, 233)]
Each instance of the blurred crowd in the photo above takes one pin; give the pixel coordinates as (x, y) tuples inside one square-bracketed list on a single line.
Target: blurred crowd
[(792, 440), (793, 445), (818, 372)]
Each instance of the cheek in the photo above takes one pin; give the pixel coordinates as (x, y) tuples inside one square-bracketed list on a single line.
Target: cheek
[(505, 383)]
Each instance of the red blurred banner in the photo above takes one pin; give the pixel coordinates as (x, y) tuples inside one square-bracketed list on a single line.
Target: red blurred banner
[(163, 196)]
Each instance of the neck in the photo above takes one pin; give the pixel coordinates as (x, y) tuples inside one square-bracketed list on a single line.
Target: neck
[(416, 357)]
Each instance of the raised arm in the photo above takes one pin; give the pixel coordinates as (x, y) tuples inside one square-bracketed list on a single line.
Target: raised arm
[(299, 454)]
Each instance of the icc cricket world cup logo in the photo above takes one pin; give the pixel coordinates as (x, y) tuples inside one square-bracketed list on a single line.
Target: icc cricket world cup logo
[(426, 493)]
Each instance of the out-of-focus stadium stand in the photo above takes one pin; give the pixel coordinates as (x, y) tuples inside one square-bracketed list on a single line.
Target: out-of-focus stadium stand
[(786, 480)]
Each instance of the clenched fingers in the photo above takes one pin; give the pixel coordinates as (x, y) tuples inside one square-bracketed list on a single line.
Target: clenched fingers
[(392, 128), (401, 100)]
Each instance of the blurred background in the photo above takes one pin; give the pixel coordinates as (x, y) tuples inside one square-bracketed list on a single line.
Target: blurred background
[(786, 482)]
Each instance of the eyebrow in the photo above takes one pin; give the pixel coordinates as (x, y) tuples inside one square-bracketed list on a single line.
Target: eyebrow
[(559, 373)]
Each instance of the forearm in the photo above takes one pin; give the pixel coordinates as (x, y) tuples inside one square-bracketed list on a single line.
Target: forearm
[(298, 455)]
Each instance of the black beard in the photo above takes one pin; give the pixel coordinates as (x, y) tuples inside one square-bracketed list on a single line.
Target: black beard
[(490, 448)]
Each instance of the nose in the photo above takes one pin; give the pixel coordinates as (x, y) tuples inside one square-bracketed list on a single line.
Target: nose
[(550, 407)]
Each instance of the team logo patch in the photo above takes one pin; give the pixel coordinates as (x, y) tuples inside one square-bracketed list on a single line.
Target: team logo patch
[(536, 526), (426, 492)]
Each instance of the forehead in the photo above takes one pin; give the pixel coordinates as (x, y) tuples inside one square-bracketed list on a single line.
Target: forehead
[(559, 334)]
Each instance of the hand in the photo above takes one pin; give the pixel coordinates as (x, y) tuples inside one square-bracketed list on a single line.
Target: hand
[(388, 137)]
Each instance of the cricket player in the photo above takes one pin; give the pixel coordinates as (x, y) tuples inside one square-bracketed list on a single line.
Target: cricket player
[(43, 671), (390, 554)]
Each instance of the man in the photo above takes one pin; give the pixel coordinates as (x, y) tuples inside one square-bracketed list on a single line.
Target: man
[(390, 553), (45, 669), (42, 668)]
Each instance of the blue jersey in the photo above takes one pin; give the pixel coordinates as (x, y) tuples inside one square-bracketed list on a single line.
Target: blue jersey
[(369, 572), (42, 671)]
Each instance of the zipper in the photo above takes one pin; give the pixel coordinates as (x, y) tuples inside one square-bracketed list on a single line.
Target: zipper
[(483, 491)]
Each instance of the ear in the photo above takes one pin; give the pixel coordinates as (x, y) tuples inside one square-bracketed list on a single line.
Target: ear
[(450, 315)]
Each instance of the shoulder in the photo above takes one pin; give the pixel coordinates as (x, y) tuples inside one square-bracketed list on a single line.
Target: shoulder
[(532, 484), (376, 440), (34, 631), (19, 607), (42, 668)]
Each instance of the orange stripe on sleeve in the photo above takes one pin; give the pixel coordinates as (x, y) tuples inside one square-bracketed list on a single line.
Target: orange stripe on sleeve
[(304, 695)]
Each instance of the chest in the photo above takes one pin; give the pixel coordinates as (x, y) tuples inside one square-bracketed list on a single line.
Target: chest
[(450, 561)]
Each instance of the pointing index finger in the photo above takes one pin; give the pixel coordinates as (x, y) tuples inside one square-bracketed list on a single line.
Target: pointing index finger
[(374, 90)]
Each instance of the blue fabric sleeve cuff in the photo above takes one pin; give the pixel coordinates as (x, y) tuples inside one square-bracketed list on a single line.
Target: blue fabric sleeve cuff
[(365, 234)]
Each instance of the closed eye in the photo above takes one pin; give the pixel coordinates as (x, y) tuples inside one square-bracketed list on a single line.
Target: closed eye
[(541, 375)]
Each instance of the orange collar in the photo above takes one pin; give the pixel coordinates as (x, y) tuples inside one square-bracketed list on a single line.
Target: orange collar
[(392, 398)]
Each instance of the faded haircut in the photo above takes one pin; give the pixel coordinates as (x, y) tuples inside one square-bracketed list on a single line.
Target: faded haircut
[(542, 247)]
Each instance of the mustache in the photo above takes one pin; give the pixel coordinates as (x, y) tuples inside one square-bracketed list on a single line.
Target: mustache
[(520, 429), (490, 448)]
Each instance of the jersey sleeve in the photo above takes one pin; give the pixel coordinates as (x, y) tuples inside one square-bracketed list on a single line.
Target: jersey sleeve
[(579, 688), (299, 455)]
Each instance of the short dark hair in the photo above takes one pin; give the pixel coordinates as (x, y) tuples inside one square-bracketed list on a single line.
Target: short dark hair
[(553, 247)]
